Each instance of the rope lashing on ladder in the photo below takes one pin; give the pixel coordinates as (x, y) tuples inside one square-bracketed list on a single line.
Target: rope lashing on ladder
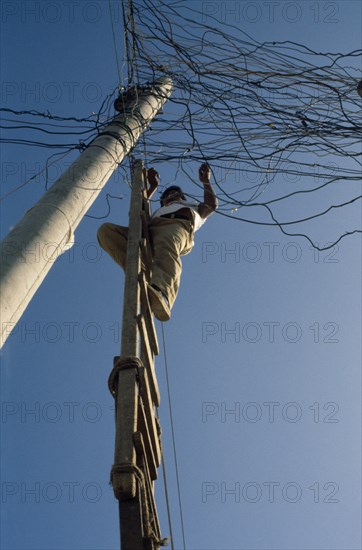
[(121, 363), (129, 468)]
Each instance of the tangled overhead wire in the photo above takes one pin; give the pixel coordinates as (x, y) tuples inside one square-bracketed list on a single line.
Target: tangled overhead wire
[(275, 118), (279, 123)]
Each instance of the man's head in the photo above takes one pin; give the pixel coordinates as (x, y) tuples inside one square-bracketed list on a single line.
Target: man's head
[(171, 194)]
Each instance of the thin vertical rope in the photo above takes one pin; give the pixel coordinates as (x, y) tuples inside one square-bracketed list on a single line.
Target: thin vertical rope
[(166, 494), (173, 439)]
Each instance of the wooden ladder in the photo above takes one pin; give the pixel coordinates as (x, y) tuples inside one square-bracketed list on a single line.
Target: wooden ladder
[(133, 383)]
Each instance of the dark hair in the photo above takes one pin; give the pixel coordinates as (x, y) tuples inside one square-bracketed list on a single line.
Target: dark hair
[(169, 190)]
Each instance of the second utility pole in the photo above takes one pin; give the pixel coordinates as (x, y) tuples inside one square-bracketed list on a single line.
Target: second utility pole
[(47, 229)]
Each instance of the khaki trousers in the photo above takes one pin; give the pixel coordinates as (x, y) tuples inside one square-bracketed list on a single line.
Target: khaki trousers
[(171, 238)]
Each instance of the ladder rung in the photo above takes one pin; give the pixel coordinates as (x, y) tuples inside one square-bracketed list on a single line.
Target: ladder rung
[(140, 449), (150, 413), (143, 428), (146, 312), (147, 360)]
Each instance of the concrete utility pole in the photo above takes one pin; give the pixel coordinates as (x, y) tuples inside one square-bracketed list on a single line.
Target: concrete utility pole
[(47, 229), (133, 384)]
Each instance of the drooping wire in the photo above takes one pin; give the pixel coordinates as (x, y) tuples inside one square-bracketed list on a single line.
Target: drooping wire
[(44, 169), (275, 117)]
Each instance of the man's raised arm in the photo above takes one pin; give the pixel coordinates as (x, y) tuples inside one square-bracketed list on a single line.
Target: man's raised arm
[(210, 200), (153, 178)]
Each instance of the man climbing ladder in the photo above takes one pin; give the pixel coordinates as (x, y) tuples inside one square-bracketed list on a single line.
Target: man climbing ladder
[(171, 229)]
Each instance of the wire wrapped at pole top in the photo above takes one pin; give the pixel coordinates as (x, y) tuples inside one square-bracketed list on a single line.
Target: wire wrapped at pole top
[(129, 96)]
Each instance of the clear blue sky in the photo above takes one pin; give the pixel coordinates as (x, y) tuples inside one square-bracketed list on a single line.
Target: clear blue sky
[(263, 349)]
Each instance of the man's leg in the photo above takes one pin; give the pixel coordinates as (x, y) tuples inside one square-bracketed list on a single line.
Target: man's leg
[(113, 239), (171, 239)]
